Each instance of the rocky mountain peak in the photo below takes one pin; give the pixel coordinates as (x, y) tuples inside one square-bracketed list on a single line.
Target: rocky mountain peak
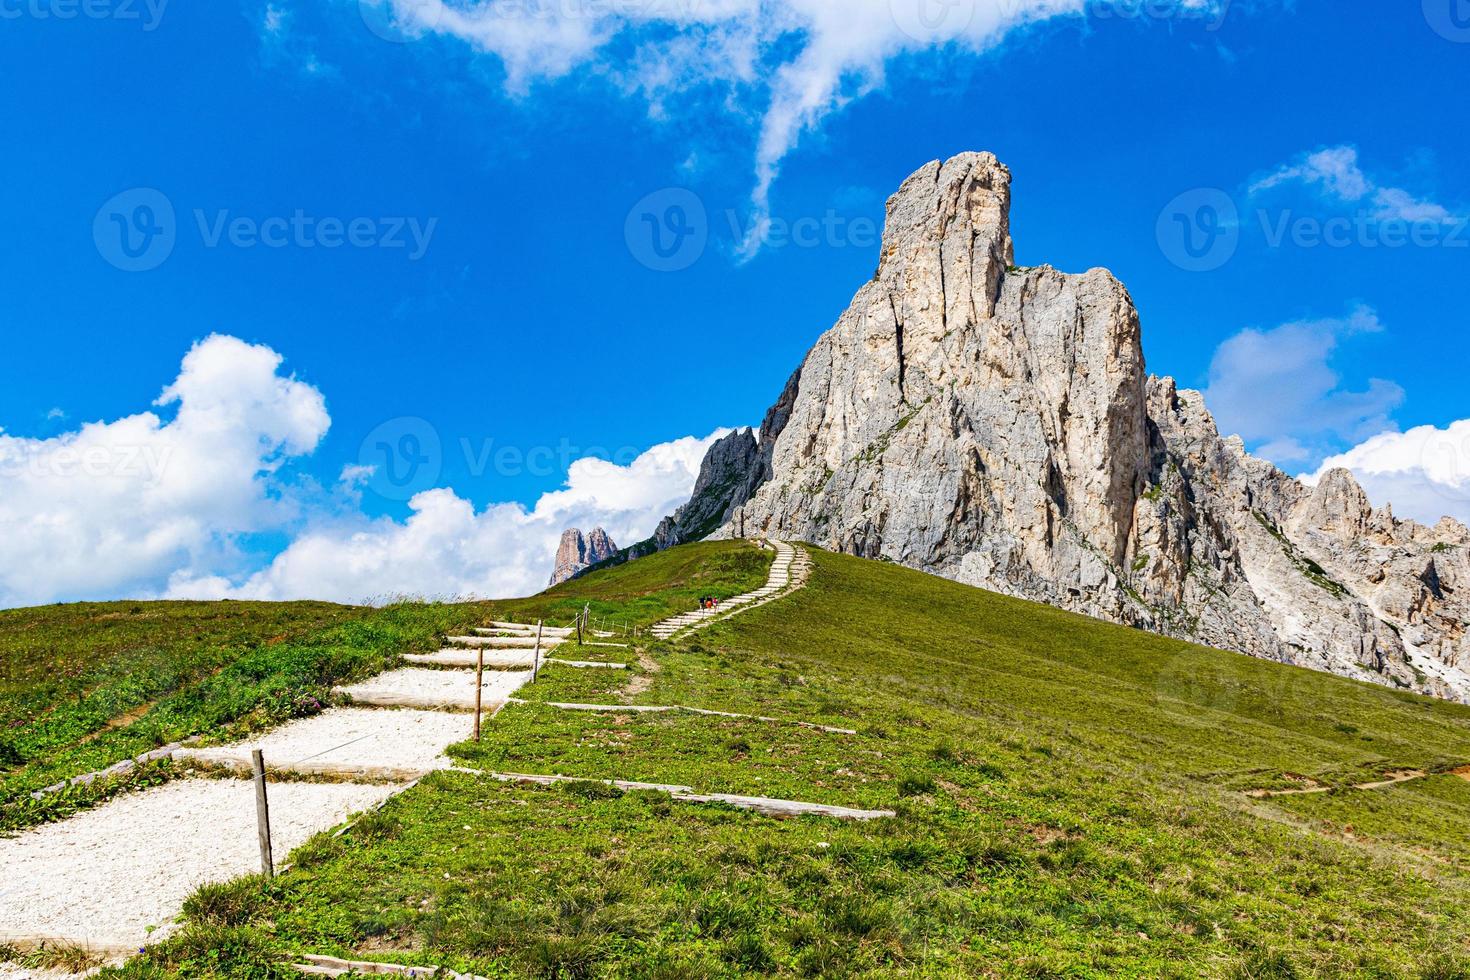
[(579, 552), (997, 425)]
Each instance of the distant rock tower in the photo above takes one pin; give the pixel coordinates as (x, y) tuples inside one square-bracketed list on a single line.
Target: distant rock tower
[(579, 552)]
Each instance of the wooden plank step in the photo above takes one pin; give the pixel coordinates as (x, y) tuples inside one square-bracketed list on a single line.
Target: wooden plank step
[(227, 759), (505, 642), (766, 806), (397, 699), (785, 809), (468, 658)]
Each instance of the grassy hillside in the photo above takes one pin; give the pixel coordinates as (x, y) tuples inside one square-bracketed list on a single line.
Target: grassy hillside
[(1069, 799), (83, 686)]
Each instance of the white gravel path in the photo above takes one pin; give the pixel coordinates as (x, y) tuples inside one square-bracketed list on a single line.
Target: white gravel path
[(447, 685), (13, 971), (354, 737), (105, 875)]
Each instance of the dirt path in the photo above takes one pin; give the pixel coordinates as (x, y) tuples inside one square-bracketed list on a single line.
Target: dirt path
[(1311, 786), (115, 877)]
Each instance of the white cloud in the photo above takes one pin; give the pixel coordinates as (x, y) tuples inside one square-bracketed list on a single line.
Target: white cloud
[(118, 505), (1278, 387), (797, 60), (1335, 171), (143, 506), (1424, 472), (446, 548)]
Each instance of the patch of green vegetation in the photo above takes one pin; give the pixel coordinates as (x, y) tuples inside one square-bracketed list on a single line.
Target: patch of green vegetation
[(1313, 571), (1140, 563), (1441, 547), (1154, 493), (87, 686), (1067, 799), (874, 451)]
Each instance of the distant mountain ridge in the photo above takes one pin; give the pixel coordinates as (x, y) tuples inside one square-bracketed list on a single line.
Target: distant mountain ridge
[(996, 425), (578, 552)]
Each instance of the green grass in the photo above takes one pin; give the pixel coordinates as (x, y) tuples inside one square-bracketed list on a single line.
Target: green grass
[(1067, 791), (84, 686)]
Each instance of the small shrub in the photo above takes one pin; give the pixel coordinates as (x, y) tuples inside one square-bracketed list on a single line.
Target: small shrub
[(1445, 967), (943, 752), (591, 789), (377, 825), (915, 785), (226, 903), (318, 850), (1265, 965), (749, 951)]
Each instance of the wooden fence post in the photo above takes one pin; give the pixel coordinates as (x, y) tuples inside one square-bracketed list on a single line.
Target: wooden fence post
[(479, 686), (536, 657), (263, 815)]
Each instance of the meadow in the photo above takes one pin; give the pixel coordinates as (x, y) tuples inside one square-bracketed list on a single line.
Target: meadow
[(1069, 796)]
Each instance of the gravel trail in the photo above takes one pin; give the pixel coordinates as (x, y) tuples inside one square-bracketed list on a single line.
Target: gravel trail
[(106, 875), (354, 737)]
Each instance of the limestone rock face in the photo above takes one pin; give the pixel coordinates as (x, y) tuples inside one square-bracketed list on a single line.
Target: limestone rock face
[(578, 552), (997, 425), (726, 477)]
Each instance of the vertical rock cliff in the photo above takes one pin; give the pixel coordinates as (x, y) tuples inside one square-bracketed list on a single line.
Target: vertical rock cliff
[(997, 425)]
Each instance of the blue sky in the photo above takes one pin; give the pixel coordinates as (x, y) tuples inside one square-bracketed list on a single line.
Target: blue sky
[(492, 164)]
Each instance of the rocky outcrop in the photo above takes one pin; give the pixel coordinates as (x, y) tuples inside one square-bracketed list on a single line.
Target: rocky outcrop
[(578, 552), (729, 474), (996, 425)]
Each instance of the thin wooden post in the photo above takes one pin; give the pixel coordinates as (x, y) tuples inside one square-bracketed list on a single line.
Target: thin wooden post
[(263, 815), (479, 686), (536, 657)]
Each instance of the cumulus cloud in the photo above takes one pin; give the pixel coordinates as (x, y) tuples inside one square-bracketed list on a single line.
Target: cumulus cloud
[(797, 60), (149, 506), (115, 506), (1337, 174), (446, 548), (1278, 388), (1424, 472)]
